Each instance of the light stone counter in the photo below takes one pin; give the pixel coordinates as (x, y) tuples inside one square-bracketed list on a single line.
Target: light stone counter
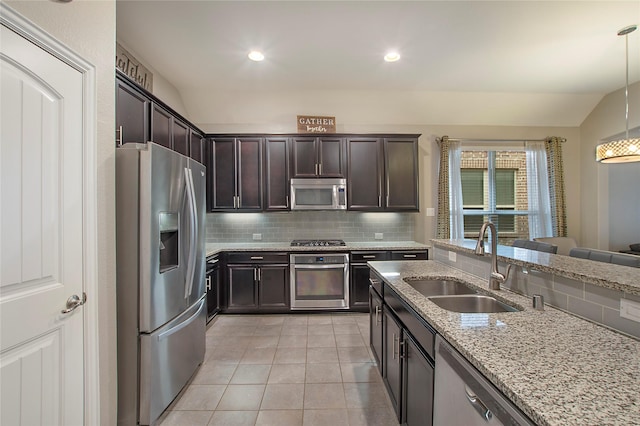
[(616, 277), (212, 249), (557, 368)]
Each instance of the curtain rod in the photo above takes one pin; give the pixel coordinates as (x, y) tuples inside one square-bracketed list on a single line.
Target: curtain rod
[(439, 139)]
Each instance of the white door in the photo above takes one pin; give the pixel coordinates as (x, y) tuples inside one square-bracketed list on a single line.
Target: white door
[(41, 233)]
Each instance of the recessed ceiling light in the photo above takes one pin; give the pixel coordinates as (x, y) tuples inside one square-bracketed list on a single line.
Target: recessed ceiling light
[(256, 55), (392, 57)]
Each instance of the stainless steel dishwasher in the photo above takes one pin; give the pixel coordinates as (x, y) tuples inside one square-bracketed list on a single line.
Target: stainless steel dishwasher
[(464, 397)]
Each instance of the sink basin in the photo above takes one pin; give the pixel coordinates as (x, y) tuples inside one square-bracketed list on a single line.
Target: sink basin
[(474, 303), (440, 287)]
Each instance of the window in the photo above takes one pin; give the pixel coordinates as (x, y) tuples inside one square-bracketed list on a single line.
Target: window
[(494, 188)]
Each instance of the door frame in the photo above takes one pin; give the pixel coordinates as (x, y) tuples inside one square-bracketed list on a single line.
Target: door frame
[(42, 39)]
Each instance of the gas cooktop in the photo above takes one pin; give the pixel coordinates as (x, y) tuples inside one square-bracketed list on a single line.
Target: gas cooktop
[(316, 243)]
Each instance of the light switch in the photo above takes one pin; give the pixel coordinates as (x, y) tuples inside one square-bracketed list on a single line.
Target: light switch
[(257, 237), (452, 256), (630, 310)]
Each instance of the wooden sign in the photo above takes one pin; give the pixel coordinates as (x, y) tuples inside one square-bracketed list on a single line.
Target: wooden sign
[(316, 124), (129, 65)]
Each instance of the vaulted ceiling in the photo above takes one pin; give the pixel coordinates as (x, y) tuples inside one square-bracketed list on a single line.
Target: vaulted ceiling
[(566, 52)]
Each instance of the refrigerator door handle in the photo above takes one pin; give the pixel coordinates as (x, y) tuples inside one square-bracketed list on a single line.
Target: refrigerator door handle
[(183, 324), (193, 232)]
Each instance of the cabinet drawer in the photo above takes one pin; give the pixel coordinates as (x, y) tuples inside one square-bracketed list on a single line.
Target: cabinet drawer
[(258, 257), (376, 282), (420, 330), (368, 256), (409, 255)]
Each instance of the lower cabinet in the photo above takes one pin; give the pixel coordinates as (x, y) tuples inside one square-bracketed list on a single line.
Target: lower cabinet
[(257, 282), (359, 277), (403, 347), (375, 326), (213, 286)]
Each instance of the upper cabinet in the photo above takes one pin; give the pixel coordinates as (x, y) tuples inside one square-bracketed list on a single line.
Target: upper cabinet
[(141, 117), (276, 173), (234, 174), (132, 114), (317, 157), (382, 173), (401, 173)]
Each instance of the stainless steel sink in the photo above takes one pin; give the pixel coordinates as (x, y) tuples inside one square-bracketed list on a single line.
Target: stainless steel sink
[(474, 303), (439, 287)]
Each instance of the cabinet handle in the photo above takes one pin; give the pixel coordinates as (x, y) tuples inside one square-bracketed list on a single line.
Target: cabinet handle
[(368, 256), (394, 345), (257, 257), (387, 201), (208, 283), (377, 311), (320, 169), (255, 274), (316, 169), (402, 349), (409, 256), (119, 138), (287, 205), (379, 200)]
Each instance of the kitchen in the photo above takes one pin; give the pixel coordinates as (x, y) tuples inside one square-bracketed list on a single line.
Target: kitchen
[(93, 29)]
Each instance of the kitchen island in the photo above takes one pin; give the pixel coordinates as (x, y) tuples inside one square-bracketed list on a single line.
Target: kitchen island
[(557, 368)]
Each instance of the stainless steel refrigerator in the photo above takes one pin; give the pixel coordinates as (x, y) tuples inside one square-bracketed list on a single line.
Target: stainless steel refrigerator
[(161, 305)]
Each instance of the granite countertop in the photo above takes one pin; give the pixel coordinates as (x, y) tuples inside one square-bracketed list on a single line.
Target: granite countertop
[(214, 248), (616, 277), (557, 368)]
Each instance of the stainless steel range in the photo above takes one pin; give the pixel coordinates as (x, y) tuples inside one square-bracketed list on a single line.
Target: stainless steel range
[(319, 280)]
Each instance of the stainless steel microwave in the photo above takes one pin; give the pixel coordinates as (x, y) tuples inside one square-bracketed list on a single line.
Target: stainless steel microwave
[(319, 194)]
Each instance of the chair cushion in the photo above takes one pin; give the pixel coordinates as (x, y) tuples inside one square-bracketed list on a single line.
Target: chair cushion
[(606, 256)]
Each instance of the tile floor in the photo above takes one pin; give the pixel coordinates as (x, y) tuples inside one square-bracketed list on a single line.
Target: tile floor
[(298, 369)]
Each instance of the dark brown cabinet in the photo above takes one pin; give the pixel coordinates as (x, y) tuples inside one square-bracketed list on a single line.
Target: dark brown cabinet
[(317, 157), (234, 174), (359, 278), (276, 173), (213, 286), (401, 173), (257, 282), (141, 117), (392, 366), (132, 114), (382, 174), (375, 326), (418, 375), (365, 174)]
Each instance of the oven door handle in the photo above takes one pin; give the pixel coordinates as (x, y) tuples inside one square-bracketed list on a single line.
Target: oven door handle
[(332, 266)]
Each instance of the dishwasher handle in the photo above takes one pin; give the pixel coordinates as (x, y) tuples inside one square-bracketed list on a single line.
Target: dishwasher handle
[(477, 404)]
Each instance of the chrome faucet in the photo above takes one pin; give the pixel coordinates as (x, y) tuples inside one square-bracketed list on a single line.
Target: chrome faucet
[(495, 277)]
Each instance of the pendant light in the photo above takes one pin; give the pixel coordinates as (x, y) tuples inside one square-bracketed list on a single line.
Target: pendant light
[(623, 150)]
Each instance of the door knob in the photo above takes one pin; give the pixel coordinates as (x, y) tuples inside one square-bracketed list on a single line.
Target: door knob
[(73, 302)]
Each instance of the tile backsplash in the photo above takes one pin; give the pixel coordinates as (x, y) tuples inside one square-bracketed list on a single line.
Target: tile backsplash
[(286, 226)]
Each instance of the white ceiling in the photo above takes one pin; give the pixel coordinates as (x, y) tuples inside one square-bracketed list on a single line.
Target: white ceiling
[(567, 50)]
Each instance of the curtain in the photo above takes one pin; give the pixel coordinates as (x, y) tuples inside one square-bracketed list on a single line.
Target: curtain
[(553, 147), (538, 191), (450, 218), (455, 191), (443, 189)]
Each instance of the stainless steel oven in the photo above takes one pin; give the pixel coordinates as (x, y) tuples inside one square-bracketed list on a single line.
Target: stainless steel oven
[(319, 281)]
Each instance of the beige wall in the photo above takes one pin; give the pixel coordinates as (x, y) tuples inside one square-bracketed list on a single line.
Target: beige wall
[(610, 201), (88, 28)]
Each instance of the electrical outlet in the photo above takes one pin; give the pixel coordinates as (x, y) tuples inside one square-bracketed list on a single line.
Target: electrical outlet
[(257, 237), (630, 310), (431, 211), (452, 256), (378, 235)]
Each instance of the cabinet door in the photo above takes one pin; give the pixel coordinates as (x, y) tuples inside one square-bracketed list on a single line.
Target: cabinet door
[(221, 174), (195, 146), (181, 137), (401, 170), (375, 326), (304, 157), (276, 174), (364, 174), (161, 126), (331, 157), (391, 366), (242, 288), (273, 286), (132, 114), (249, 173), (213, 290), (359, 291), (418, 386)]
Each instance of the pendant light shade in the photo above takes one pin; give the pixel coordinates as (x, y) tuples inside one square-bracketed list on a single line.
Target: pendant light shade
[(624, 150)]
